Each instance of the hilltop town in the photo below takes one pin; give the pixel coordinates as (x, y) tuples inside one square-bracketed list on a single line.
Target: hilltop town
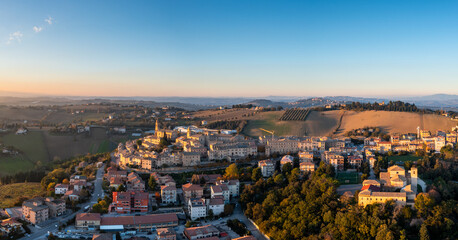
[(155, 186)]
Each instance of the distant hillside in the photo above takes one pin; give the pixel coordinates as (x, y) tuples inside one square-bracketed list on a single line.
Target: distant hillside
[(266, 103), (312, 102)]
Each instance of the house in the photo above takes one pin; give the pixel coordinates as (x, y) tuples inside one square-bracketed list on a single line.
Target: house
[(222, 191), (208, 178), (168, 194), (35, 211), (190, 158), (305, 156), (192, 191), (9, 225), (216, 205), (233, 186), (115, 182), (56, 206), (201, 232), (88, 220), (72, 195), (197, 208), (267, 167), (307, 167), (127, 202), (135, 182), (394, 177), (369, 196), (166, 234), (61, 189), (286, 159)]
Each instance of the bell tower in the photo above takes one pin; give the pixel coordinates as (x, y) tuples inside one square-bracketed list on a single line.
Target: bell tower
[(189, 132), (414, 178)]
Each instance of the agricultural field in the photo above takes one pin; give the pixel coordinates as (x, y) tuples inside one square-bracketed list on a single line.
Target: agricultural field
[(45, 115), (322, 123), (395, 122), (326, 123), (295, 115), (270, 122), (67, 146), (10, 193), (226, 114), (32, 151), (39, 146)]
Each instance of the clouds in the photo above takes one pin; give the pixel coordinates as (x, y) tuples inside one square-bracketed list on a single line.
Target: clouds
[(49, 20), (15, 37), (37, 29)]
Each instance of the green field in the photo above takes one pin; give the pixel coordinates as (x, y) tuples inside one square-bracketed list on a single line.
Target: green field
[(31, 147), (15, 164), (269, 122), (403, 158), (10, 193), (348, 177)]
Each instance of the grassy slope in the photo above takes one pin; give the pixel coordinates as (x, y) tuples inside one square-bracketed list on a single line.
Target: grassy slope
[(11, 192), (268, 121), (32, 148)]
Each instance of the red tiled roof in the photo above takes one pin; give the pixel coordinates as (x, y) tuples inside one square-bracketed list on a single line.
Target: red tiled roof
[(145, 219), (370, 187)]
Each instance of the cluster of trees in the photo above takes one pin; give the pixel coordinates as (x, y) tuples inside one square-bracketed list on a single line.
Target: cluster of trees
[(238, 227), (365, 132), (288, 206), (30, 176), (102, 205), (243, 106), (397, 106)]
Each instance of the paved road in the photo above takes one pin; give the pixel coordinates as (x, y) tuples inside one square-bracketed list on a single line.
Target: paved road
[(40, 233), (349, 187), (238, 214)]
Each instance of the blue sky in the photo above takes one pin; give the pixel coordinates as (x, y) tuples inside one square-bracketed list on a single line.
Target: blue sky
[(229, 48)]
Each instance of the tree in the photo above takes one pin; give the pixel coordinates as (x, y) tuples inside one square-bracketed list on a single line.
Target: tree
[(256, 174), (152, 183), (228, 209), (139, 142), (424, 235), (423, 204), (210, 213), (65, 181), (51, 186), (286, 168), (232, 172), (121, 188)]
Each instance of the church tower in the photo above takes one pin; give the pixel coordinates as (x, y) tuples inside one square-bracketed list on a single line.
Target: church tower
[(414, 178), (189, 132), (157, 126)]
